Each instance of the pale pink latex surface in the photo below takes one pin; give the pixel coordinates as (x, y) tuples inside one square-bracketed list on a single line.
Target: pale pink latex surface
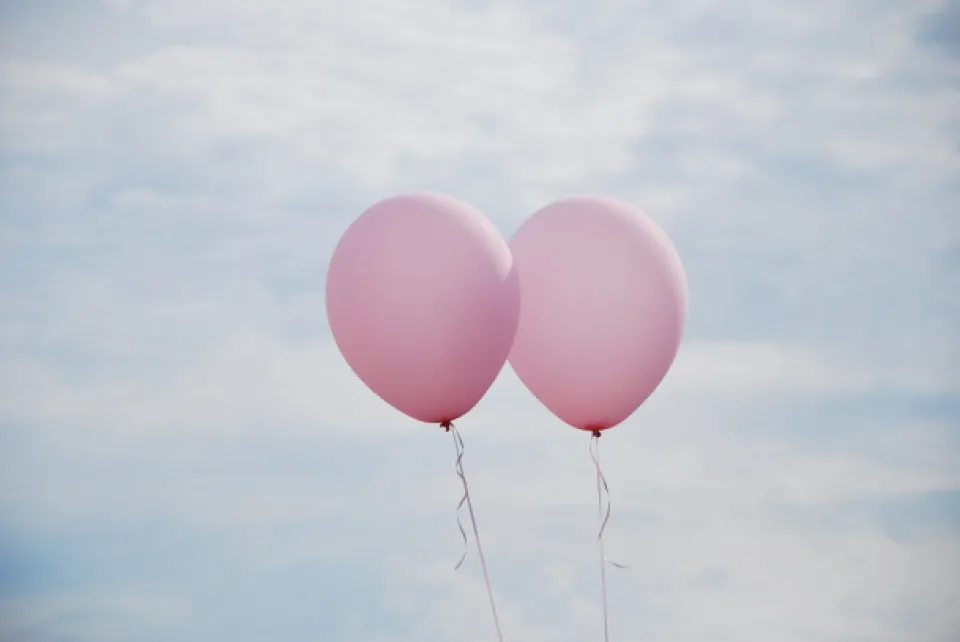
[(423, 303), (603, 305)]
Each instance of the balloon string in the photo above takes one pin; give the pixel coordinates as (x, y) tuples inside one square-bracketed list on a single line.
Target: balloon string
[(603, 491), (458, 445)]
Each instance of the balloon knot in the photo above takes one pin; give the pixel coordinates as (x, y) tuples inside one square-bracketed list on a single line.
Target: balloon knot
[(446, 425), (597, 434)]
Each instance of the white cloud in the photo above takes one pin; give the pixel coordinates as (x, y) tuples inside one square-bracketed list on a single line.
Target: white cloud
[(385, 96)]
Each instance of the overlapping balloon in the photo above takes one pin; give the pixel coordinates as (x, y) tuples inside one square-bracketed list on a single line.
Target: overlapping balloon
[(423, 301), (426, 302)]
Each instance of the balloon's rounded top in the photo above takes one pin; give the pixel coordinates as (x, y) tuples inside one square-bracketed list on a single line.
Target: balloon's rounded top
[(604, 306), (441, 214), (423, 301)]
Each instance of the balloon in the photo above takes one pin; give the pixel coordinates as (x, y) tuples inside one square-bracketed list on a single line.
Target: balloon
[(603, 305), (423, 302)]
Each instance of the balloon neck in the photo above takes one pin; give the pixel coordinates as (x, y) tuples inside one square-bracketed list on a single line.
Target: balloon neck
[(595, 429), (446, 425)]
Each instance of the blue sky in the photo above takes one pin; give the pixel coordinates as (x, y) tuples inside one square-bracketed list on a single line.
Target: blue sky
[(185, 456)]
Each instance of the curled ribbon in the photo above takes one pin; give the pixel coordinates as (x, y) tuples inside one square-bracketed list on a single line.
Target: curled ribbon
[(465, 500), (603, 491)]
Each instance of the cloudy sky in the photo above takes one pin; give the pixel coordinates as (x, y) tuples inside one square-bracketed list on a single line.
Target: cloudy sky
[(185, 456)]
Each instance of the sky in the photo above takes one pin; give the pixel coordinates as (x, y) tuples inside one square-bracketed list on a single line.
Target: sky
[(184, 455)]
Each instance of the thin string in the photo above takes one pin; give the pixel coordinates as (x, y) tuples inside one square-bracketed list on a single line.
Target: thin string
[(458, 445), (602, 490)]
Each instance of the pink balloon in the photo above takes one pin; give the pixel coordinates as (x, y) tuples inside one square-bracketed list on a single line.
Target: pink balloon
[(603, 305), (423, 302)]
